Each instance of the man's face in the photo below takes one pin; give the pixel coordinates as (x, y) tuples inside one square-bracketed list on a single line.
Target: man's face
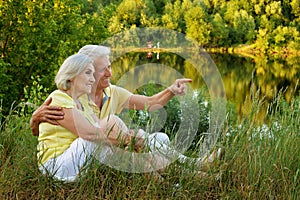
[(102, 72)]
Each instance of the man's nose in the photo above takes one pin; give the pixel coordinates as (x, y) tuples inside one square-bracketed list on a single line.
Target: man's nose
[(92, 79), (108, 71)]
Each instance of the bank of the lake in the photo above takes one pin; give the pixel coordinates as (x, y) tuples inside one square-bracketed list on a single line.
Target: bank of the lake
[(253, 51)]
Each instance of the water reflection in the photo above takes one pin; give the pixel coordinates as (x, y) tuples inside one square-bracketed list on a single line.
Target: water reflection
[(269, 75), (238, 73)]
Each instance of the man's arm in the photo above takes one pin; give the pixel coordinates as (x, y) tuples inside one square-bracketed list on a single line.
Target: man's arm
[(45, 113), (157, 101)]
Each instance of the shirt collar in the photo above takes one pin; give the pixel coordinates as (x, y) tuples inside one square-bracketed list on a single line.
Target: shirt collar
[(105, 97)]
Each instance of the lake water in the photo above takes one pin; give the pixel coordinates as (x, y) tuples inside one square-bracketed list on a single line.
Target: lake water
[(239, 73)]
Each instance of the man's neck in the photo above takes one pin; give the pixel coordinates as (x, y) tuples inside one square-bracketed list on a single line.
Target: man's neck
[(96, 96)]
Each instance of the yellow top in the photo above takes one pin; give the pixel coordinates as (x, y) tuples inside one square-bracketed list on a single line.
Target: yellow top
[(114, 99), (55, 139)]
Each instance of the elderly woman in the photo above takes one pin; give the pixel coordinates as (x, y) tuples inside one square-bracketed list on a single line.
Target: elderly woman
[(64, 149)]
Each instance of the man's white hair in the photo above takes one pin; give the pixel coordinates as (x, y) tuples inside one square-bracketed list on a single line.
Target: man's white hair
[(95, 51)]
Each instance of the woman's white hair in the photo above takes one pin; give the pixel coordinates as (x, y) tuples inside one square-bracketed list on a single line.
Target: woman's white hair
[(70, 68), (95, 51)]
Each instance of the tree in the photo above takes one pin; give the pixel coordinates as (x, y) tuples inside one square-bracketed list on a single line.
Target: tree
[(173, 17), (274, 12), (36, 37), (127, 16), (243, 26), (295, 10), (286, 37), (198, 27), (220, 32), (295, 4)]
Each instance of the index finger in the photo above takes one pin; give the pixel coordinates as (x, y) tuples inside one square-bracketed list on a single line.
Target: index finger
[(185, 80)]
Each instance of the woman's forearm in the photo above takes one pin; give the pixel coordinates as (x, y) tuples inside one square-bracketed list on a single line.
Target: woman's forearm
[(110, 129)]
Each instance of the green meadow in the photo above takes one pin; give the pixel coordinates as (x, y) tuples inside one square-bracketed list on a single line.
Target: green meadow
[(261, 161)]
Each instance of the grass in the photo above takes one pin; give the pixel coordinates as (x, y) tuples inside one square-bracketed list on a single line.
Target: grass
[(261, 162)]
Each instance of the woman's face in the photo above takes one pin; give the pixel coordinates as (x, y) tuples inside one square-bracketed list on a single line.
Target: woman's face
[(83, 82)]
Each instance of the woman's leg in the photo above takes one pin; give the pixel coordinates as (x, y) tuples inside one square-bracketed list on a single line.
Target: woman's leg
[(69, 165)]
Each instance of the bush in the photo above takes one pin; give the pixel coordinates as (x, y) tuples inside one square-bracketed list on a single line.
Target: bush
[(170, 118)]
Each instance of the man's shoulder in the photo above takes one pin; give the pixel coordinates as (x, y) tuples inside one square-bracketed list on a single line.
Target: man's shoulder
[(111, 89), (114, 88)]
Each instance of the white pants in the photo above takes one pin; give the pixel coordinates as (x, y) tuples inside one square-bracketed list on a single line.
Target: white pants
[(72, 162), (69, 165), (157, 141)]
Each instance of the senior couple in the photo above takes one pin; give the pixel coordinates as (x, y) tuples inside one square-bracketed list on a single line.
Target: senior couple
[(80, 116)]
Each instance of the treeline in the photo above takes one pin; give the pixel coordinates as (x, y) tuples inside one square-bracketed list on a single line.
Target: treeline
[(265, 24), (36, 36)]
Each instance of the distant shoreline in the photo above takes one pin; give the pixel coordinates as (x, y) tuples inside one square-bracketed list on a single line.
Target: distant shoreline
[(252, 51), (244, 50)]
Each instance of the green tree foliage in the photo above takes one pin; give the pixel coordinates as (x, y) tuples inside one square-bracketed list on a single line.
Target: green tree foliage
[(173, 17), (220, 31), (198, 27), (243, 27), (286, 36), (127, 16), (295, 12), (36, 36)]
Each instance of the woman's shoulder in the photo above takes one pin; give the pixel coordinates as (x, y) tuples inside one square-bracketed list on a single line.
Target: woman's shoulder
[(60, 98), (58, 92)]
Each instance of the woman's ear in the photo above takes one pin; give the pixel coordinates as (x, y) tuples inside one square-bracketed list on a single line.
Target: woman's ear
[(68, 85)]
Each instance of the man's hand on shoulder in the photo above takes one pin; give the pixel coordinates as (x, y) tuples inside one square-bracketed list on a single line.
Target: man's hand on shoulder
[(45, 113)]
